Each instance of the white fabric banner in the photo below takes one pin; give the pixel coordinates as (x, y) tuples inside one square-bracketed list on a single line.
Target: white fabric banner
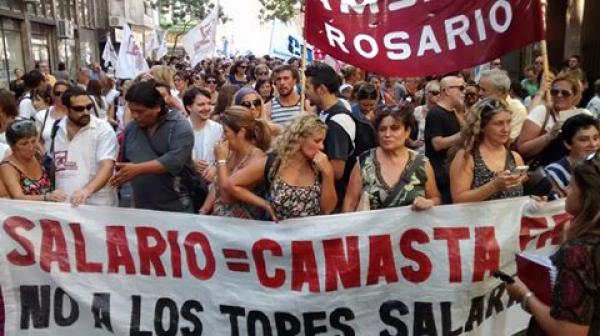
[(200, 42), (287, 41), (131, 59), (109, 55), (102, 271)]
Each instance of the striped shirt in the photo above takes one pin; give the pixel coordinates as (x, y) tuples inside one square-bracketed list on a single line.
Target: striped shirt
[(283, 115), (560, 172)]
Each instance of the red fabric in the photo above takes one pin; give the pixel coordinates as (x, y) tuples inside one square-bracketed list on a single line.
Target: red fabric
[(410, 20)]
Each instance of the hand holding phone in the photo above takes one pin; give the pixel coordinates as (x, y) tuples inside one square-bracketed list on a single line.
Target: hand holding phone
[(520, 170)]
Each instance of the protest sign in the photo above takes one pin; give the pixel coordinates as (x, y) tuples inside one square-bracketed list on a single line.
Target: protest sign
[(420, 37), (100, 271)]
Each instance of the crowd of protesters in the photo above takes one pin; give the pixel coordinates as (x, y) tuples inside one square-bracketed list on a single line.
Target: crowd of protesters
[(234, 137)]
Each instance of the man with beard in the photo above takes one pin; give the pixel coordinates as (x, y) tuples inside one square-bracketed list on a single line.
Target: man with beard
[(84, 149), (287, 105)]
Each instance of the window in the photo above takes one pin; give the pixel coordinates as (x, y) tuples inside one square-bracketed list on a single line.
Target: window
[(11, 50)]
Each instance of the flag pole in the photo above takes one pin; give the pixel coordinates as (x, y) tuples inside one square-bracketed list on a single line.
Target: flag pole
[(544, 50), (303, 65)]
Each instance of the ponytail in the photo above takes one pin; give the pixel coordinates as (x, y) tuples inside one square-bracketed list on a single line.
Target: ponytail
[(262, 135)]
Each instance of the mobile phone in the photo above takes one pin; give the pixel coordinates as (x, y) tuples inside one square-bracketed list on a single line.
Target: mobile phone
[(520, 170), (504, 277)]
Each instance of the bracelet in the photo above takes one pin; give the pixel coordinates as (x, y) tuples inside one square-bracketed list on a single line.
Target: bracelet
[(221, 162), (524, 301)]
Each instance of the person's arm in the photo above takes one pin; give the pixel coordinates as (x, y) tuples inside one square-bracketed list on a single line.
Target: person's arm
[(531, 141), (104, 173), (461, 178), (209, 203), (243, 180), (541, 312), (338, 168), (328, 200), (337, 147), (354, 191), (12, 183), (431, 190), (440, 143)]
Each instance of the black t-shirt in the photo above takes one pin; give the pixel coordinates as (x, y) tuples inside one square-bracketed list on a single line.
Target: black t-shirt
[(439, 122), (339, 146)]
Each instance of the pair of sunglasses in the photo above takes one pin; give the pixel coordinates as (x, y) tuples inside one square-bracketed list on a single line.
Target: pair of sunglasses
[(252, 103), (19, 126), (81, 108), (564, 93)]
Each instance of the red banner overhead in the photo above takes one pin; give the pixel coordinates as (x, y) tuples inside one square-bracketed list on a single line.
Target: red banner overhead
[(421, 37)]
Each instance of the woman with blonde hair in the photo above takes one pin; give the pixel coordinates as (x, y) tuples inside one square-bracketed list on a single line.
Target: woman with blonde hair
[(245, 138), (575, 304), (484, 167), (298, 177), (540, 141)]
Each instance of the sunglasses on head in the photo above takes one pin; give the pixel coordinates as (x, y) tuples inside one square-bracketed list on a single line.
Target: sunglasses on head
[(251, 103), (491, 105), (564, 93), (22, 125), (81, 108)]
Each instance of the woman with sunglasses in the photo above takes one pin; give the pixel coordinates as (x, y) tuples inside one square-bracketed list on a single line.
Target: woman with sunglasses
[(575, 293), (432, 96), (180, 81), (392, 175), (250, 99), (540, 141), (46, 118), (245, 139), (21, 172), (483, 169), (237, 73), (211, 83)]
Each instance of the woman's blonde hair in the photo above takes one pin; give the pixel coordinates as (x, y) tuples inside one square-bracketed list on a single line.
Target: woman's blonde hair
[(163, 74), (480, 115), (575, 83), (586, 174), (257, 130), (288, 143)]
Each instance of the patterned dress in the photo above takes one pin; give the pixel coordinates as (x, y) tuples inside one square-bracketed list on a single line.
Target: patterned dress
[(32, 187), (482, 175), (290, 201), (378, 190)]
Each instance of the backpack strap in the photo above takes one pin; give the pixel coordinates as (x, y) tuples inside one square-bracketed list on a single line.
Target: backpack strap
[(55, 128), (269, 172), (44, 122), (346, 121)]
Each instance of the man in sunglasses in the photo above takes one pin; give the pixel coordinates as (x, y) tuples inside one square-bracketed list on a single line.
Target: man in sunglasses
[(496, 84), (84, 149), (442, 130)]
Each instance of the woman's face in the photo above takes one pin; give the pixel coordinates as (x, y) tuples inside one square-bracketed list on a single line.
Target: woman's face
[(179, 83), (574, 200), (26, 147), (230, 136), (392, 134), (367, 107), (39, 103), (563, 96), (253, 102), (211, 84), (241, 69), (586, 141), (497, 130), (265, 90), (313, 144)]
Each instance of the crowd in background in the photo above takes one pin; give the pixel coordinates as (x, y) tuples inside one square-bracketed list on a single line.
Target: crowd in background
[(234, 137)]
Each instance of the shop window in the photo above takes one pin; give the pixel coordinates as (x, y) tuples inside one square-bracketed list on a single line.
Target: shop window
[(11, 50)]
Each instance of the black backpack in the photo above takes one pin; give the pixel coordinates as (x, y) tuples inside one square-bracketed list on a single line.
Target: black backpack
[(365, 136)]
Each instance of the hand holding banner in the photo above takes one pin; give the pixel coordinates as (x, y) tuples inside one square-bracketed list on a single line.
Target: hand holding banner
[(419, 38)]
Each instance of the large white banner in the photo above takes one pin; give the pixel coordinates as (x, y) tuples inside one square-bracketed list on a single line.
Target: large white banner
[(103, 271), (131, 60), (200, 42)]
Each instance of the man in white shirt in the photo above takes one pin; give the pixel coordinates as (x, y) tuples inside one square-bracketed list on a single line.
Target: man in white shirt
[(594, 104), (84, 150), (496, 84), (33, 80), (206, 132)]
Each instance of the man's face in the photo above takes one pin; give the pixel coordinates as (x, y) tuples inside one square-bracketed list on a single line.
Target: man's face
[(573, 63), (80, 109), (44, 68), (285, 83), (144, 116), (455, 91), (312, 92), (487, 89), (200, 107)]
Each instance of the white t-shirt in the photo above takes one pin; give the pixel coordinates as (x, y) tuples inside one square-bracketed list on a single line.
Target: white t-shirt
[(102, 112), (205, 139), (594, 106), (77, 160), (46, 129), (3, 149), (420, 117), (26, 108), (111, 95), (518, 116), (538, 114)]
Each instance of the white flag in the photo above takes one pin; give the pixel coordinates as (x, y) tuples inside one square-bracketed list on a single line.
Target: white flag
[(109, 55), (162, 49), (131, 59), (200, 42)]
